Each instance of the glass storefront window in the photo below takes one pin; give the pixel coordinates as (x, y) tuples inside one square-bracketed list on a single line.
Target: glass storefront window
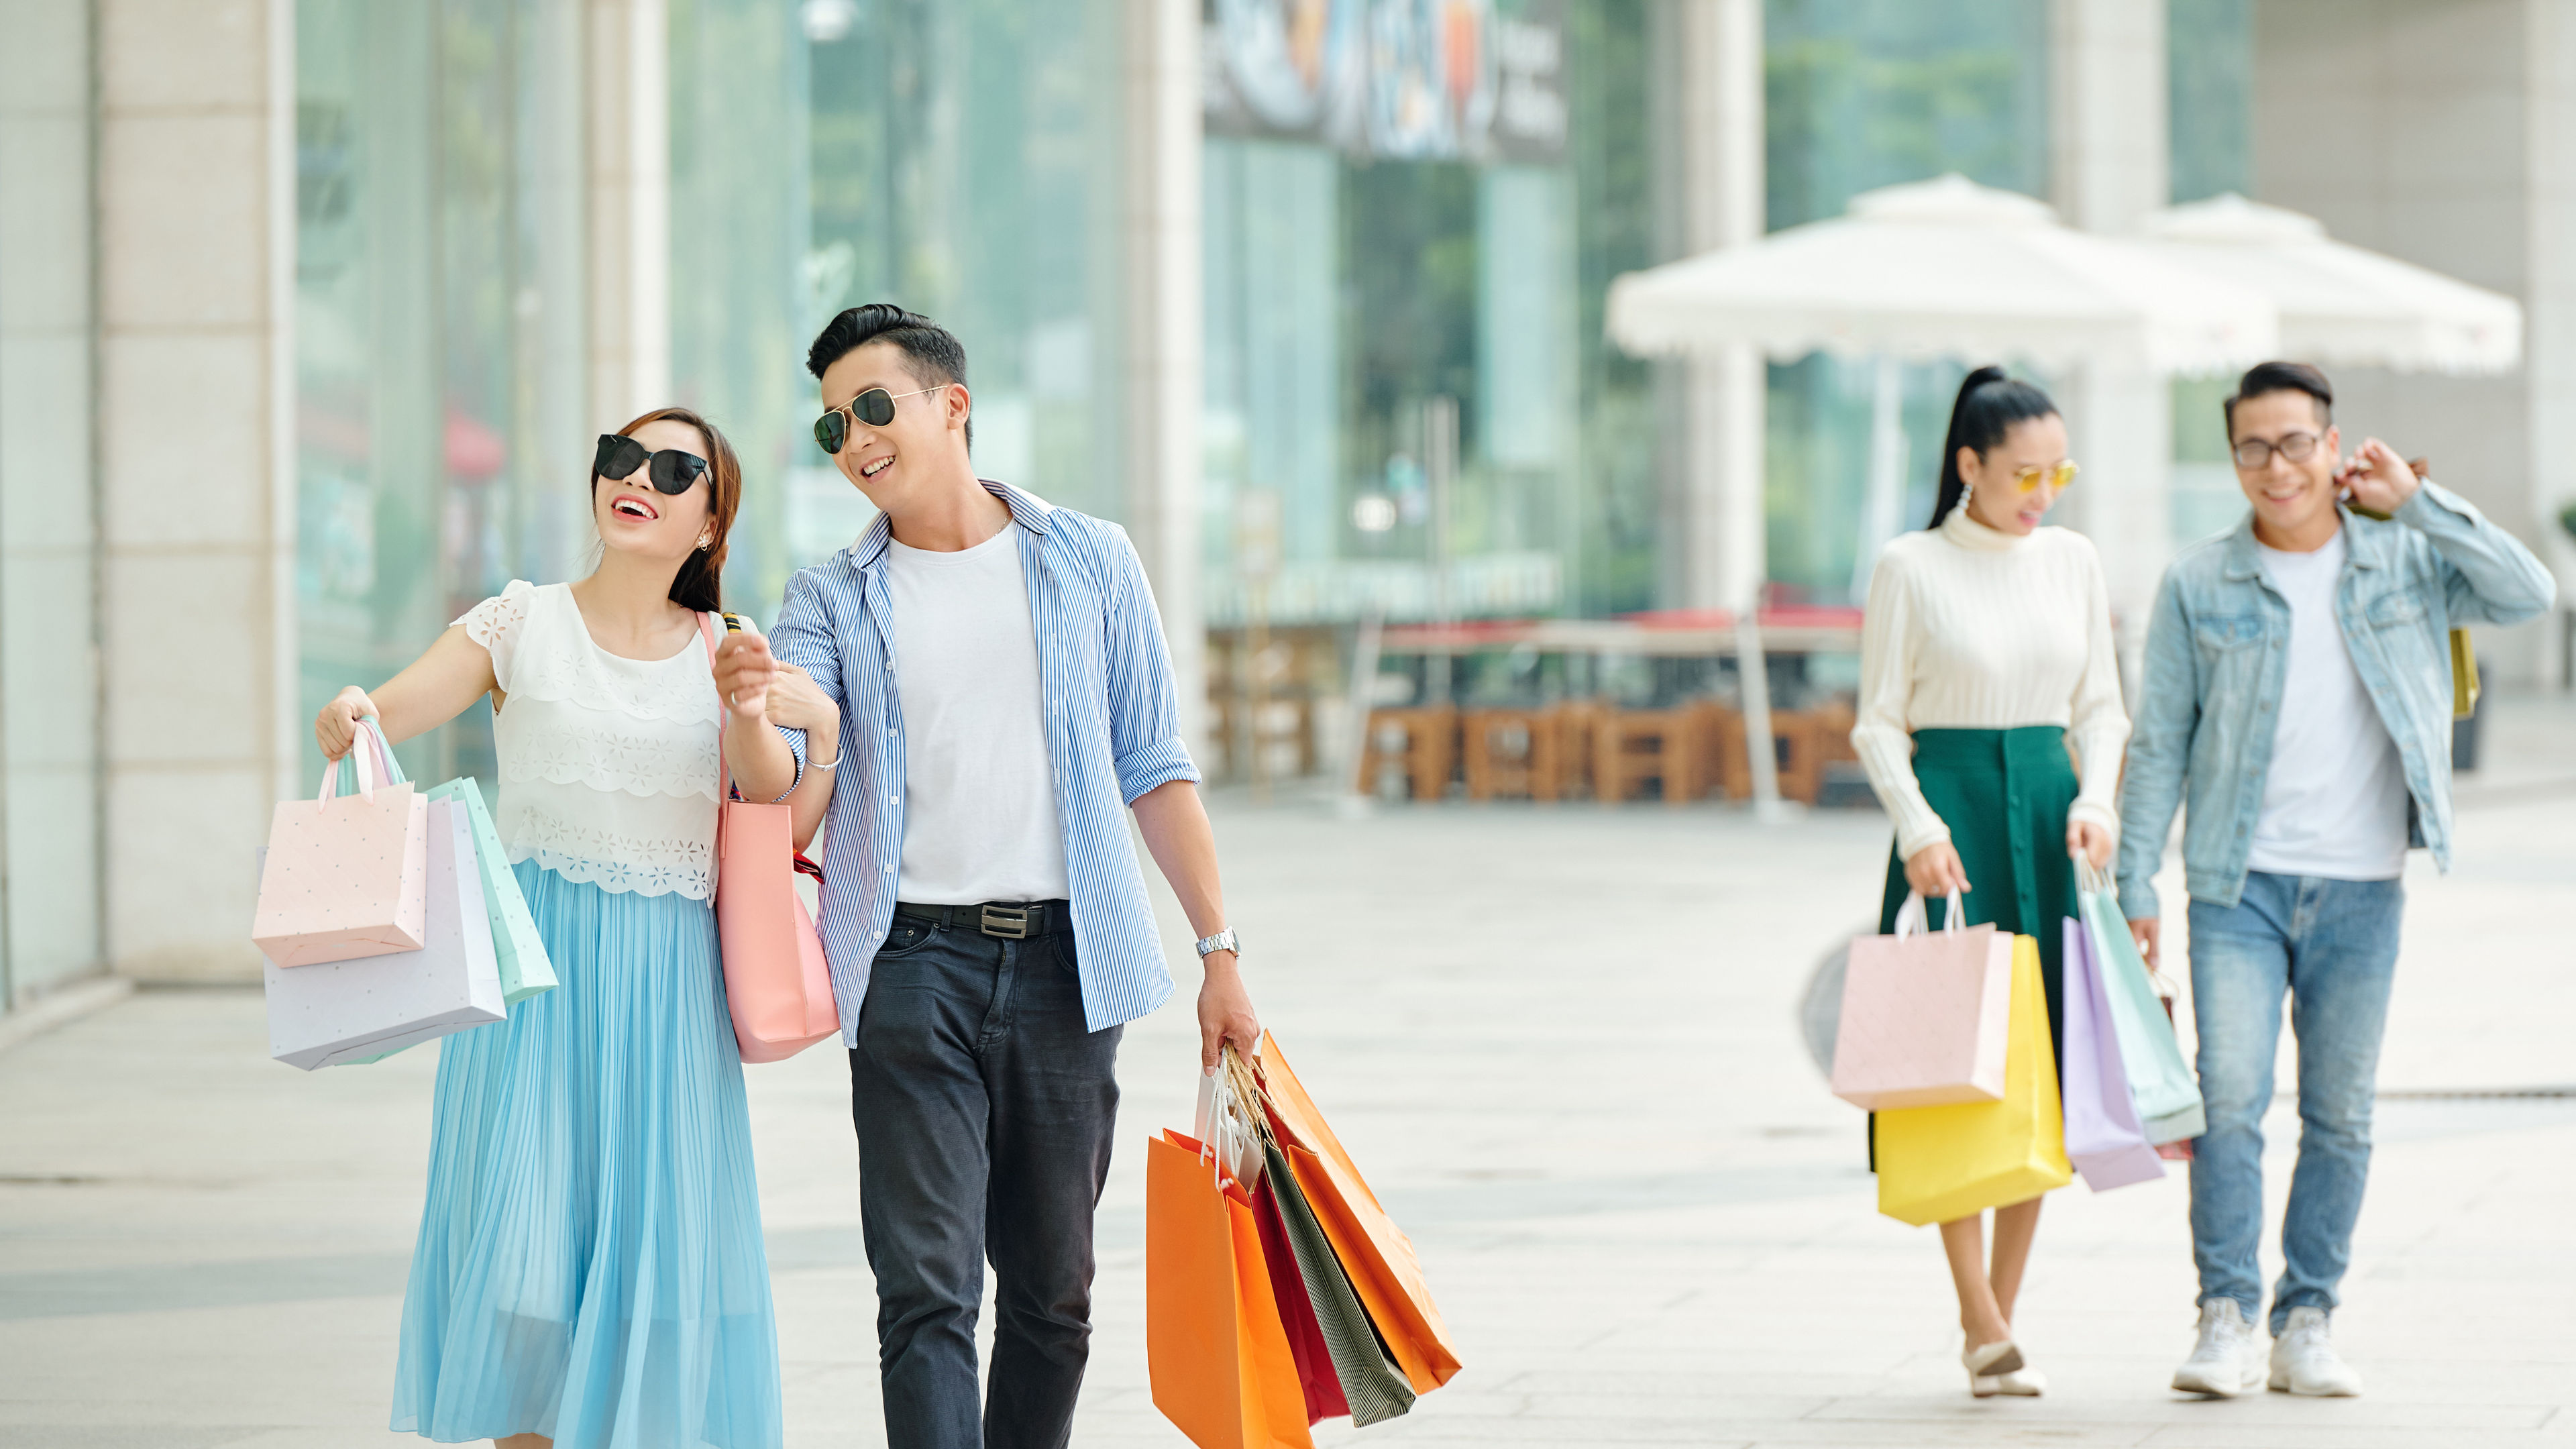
[(441, 435), (1403, 371), (1861, 94), (960, 158)]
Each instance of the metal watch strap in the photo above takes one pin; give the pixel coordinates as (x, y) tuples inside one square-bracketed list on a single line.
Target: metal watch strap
[(1224, 940)]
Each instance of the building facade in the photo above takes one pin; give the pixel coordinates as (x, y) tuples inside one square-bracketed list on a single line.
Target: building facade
[(310, 308)]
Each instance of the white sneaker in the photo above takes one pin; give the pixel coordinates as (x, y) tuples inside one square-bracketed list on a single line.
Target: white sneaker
[(2228, 1360), (2304, 1360)]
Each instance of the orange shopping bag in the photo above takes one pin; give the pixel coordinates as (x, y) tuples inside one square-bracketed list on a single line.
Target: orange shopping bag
[(1376, 1254), (1216, 1352)]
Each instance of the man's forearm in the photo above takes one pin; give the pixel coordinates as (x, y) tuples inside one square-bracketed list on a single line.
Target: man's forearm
[(1175, 825)]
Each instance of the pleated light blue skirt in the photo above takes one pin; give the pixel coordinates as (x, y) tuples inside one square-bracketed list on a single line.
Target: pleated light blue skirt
[(590, 1265)]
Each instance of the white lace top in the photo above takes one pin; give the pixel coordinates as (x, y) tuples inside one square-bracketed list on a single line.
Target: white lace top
[(608, 765)]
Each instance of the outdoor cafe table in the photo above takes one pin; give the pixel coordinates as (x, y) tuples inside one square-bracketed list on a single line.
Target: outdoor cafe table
[(1667, 634)]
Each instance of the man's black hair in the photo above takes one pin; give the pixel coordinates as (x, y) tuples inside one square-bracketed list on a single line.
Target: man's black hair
[(932, 353), (2271, 377)]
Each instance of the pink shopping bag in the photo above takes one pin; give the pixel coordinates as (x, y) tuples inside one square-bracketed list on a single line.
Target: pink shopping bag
[(348, 875), (1925, 1014), (778, 984), (2103, 1135)]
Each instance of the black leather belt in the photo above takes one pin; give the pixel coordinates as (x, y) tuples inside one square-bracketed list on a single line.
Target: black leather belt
[(1009, 920)]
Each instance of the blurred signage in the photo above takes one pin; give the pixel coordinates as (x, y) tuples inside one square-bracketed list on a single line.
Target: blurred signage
[(1411, 80)]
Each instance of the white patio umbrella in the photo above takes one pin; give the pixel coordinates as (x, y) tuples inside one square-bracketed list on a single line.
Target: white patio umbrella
[(1947, 268), (2339, 303), (1932, 269)]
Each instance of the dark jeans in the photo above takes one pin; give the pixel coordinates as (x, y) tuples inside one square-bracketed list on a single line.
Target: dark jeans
[(984, 1113)]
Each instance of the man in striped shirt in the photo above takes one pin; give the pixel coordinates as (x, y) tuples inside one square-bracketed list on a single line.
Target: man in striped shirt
[(1005, 696)]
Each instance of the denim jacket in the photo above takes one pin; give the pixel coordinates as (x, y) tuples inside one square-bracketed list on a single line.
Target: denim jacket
[(2218, 655)]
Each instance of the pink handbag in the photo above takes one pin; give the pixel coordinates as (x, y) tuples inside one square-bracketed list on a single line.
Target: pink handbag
[(1925, 1014), (778, 983), (349, 876)]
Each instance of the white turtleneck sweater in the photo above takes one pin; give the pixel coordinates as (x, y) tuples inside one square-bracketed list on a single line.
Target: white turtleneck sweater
[(1970, 628)]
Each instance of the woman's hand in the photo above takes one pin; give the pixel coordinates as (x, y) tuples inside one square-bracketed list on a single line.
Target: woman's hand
[(335, 729), (1934, 871), (798, 703), (2087, 841)]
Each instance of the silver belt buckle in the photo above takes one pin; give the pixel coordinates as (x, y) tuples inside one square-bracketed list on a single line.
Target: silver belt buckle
[(1011, 923)]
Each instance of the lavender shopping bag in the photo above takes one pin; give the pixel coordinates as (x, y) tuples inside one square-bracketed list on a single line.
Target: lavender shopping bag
[(1926, 1014), (2103, 1136)]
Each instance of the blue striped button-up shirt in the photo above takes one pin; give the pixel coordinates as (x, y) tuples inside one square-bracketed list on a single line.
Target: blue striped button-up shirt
[(1113, 732)]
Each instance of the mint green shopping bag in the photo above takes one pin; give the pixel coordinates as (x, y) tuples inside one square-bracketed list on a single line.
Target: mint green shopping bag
[(525, 971), (2167, 1095)]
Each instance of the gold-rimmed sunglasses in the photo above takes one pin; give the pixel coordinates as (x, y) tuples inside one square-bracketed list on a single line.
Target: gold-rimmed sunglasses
[(874, 407)]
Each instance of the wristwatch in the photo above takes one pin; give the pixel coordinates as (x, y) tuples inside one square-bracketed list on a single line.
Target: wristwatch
[(1222, 941)]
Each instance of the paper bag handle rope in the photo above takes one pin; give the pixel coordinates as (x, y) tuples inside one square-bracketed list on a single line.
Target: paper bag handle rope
[(1912, 914), (370, 757)]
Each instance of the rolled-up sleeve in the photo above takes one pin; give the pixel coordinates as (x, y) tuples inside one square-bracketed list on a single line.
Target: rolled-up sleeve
[(1144, 704)]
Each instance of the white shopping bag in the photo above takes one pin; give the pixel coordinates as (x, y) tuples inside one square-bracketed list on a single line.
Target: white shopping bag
[(341, 1012)]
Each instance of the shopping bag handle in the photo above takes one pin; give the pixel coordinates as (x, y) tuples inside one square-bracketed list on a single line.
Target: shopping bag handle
[(1225, 1128), (1913, 914), (2091, 878), (368, 763)]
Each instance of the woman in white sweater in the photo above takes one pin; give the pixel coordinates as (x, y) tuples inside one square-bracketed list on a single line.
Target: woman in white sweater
[(1991, 726)]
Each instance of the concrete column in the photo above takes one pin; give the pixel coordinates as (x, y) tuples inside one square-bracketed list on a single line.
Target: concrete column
[(1160, 242), (1719, 161), (2108, 137), (630, 208), (2108, 163), (2414, 129), (2549, 309), (196, 218), (51, 913)]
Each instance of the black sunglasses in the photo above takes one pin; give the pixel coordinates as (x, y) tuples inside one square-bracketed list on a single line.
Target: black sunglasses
[(875, 407), (673, 470)]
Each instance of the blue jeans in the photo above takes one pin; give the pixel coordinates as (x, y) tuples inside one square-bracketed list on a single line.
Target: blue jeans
[(984, 1107), (2331, 945)]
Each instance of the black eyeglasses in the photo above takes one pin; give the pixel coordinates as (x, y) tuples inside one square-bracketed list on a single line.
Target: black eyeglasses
[(673, 471), (875, 407), (2254, 454)]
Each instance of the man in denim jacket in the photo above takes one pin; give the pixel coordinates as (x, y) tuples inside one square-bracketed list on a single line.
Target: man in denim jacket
[(2298, 693)]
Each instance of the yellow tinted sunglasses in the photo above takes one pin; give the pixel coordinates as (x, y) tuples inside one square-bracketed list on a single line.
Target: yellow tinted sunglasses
[(2060, 477)]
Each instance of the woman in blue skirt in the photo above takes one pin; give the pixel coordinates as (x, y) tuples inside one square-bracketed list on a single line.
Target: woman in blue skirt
[(590, 1269), (1992, 729)]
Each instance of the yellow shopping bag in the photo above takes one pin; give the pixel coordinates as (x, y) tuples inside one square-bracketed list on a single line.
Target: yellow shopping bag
[(1940, 1163)]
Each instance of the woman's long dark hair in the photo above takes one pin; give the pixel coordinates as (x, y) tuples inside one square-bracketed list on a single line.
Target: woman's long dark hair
[(1989, 404), (699, 586)]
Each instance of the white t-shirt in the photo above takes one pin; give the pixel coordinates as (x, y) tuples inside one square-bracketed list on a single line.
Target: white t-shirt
[(2334, 801), (979, 819)]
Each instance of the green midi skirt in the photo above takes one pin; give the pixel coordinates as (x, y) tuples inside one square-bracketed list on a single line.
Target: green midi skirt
[(2004, 794)]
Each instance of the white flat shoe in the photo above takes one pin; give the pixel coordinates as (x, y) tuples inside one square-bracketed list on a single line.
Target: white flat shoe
[(2023, 1383), (1988, 1363)]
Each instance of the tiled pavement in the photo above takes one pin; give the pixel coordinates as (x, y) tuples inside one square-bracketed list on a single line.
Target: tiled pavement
[(1562, 1043)]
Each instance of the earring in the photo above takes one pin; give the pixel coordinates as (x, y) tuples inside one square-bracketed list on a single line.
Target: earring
[(705, 543)]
